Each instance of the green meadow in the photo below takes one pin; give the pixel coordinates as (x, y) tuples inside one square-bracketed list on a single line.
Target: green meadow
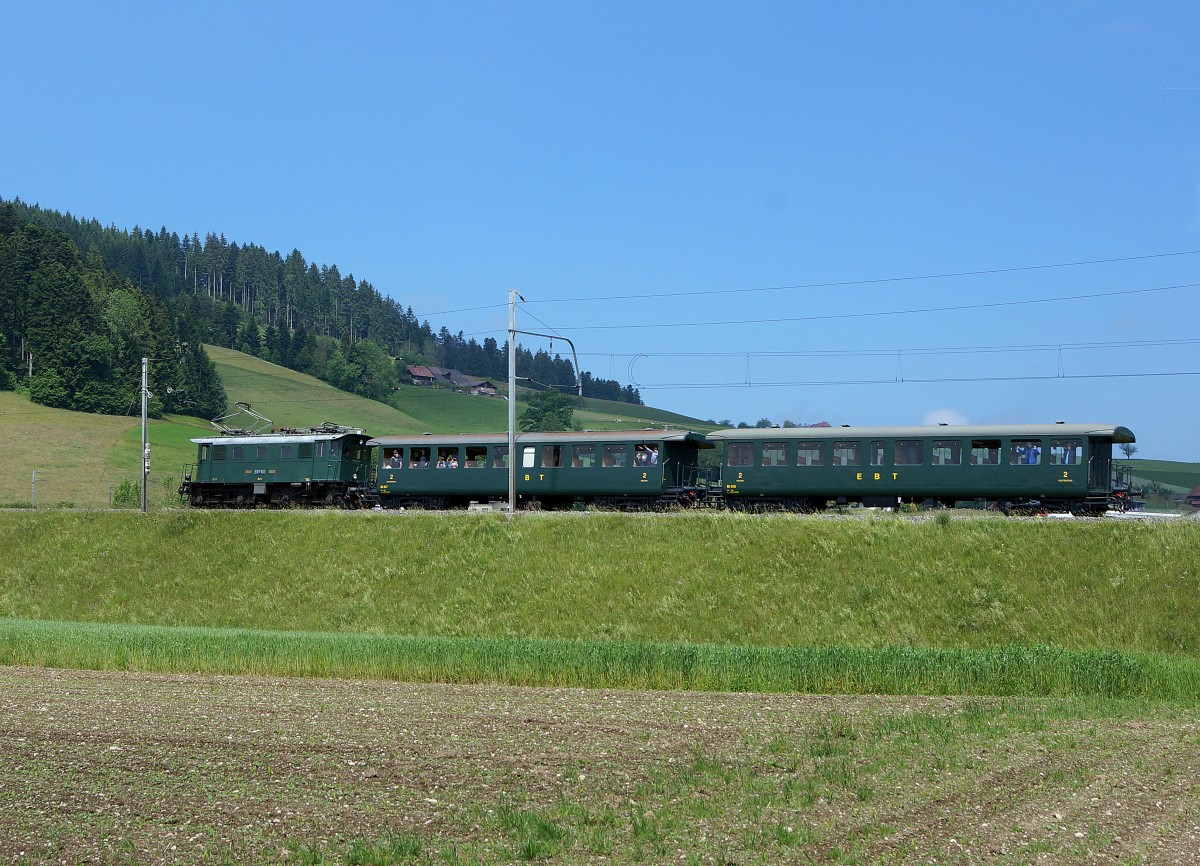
[(705, 601)]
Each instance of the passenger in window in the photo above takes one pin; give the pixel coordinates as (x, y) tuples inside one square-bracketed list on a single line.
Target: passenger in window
[(652, 455), (395, 461), (452, 463)]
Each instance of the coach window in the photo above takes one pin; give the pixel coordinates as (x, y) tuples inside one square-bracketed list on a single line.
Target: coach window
[(741, 453), (500, 457), (219, 452), (947, 452), (285, 452), (418, 458), (260, 452), (877, 452), (1064, 452), (985, 452), (476, 457), (528, 456), (447, 458), (613, 456), (809, 454), (235, 452), (774, 454), (305, 451), (583, 456), (552, 456), (1025, 452), (909, 452), (847, 454)]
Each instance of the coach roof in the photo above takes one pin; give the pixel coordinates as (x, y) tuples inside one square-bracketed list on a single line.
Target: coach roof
[(1116, 433), (630, 436)]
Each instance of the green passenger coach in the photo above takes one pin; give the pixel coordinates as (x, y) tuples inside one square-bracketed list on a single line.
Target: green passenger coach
[(321, 466), (1052, 467), (621, 469)]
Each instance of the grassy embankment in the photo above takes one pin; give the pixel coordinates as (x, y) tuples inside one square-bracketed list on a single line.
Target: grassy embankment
[(975, 606)]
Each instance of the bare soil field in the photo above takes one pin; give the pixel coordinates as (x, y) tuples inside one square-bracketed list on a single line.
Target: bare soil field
[(134, 768)]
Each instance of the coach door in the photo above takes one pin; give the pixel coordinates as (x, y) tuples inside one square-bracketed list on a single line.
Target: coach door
[(1100, 464)]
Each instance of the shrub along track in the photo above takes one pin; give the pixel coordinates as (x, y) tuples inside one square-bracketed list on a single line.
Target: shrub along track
[(135, 768)]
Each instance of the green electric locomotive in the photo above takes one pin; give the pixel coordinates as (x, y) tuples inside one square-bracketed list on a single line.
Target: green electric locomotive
[(1050, 467), (320, 466)]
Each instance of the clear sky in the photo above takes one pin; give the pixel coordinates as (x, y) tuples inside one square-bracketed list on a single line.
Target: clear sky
[(861, 213)]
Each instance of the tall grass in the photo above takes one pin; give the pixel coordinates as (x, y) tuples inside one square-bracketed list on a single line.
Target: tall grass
[(687, 579), (1036, 671)]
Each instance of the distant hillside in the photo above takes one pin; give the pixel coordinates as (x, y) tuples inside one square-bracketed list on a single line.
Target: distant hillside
[(1180, 477)]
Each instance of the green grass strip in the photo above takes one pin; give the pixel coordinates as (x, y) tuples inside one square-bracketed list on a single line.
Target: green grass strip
[(1012, 670)]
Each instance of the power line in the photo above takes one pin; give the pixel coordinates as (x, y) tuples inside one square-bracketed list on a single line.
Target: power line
[(909, 351), (867, 282), (878, 313), (833, 284), (907, 381)]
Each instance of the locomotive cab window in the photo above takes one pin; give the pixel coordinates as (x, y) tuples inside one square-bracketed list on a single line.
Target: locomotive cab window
[(260, 452), (847, 454), (305, 451), (909, 452), (809, 454), (1025, 452), (947, 452), (613, 457), (236, 452), (583, 456), (740, 454), (500, 457), (985, 452), (774, 454), (321, 448), (219, 452), (1064, 452), (476, 457), (877, 451), (285, 452)]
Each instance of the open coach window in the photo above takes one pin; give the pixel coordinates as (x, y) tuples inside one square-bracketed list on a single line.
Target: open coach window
[(614, 457), (741, 453), (1064, 452), (985, 452), (1025, 452)]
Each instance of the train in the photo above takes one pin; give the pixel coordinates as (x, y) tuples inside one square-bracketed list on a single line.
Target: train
[(1057, 467)]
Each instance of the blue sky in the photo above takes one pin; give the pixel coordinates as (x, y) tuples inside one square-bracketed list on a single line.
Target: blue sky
[(862, 213)]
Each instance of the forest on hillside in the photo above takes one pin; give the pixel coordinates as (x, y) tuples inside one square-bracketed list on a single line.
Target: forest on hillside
[(74, 332), (285, 309)]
